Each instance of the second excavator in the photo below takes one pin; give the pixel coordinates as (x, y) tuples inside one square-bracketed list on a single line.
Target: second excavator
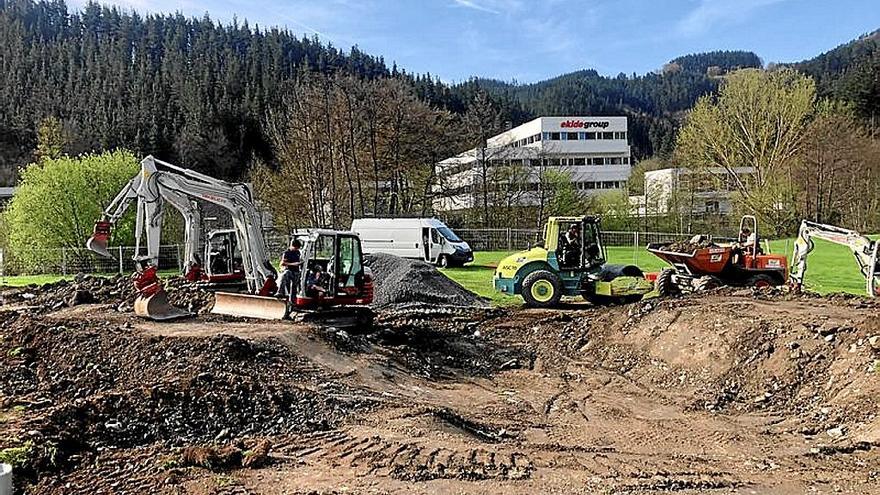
[(338, 253)]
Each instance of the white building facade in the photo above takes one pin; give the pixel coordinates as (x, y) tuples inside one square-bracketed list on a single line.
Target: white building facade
[(593, 151), (703, 192)]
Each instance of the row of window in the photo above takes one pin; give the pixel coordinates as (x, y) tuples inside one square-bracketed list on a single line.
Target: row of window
[(570, 136), (611, 184), (583, 136), (533, 187), (563, 162)]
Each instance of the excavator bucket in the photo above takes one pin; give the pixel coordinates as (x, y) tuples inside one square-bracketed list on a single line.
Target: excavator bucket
[(249, 306), (98, 242), (156, 307)]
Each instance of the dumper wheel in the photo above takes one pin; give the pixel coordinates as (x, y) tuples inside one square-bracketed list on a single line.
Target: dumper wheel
[(541, 289), (664, 285), (707, 283), (761, 281)]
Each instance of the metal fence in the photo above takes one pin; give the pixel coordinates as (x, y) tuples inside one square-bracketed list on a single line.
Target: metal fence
[(515, 239), (72, 261)]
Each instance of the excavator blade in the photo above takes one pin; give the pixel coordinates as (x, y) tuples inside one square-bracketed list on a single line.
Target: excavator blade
[(98, 245), (248, 306), (157, 307)]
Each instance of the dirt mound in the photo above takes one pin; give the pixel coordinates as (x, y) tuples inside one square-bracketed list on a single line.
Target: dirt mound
[(400, 280), (117, 290), (689, 245), (92, 385)]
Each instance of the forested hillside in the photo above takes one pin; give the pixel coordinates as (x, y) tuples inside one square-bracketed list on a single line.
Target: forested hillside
[(185, 89), (850, 72), (197, 92), (653, 101)]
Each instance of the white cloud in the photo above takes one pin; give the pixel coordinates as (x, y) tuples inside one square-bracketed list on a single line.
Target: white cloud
[(491, 6), (712, 12)]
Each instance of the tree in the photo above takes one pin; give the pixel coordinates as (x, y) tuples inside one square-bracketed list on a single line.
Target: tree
[(51, 140), (58, 201), (758, 120)]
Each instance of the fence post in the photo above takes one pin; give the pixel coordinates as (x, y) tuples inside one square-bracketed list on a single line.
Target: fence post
[(635, 245), (120, 260), (509, 240)]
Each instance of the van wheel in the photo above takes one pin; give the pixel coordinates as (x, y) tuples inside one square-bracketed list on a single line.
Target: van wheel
[(443, 262), (541, 289)]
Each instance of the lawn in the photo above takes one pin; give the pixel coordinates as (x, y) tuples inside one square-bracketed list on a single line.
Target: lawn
[(831, 269)]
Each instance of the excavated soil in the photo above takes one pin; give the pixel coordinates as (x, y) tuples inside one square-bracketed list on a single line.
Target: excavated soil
[(729, 392)]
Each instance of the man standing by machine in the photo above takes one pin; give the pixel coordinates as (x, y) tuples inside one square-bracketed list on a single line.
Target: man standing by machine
[(291, 261)]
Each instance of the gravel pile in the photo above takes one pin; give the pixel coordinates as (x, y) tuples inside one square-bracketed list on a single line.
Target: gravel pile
[(399, 280)]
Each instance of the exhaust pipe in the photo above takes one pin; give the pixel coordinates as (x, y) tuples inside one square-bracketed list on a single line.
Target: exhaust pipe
[(99, 240)]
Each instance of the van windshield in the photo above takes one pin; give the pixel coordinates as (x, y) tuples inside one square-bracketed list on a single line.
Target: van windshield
[(448, 234)]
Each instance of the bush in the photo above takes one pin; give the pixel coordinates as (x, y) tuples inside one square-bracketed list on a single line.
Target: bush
[(58, 201)]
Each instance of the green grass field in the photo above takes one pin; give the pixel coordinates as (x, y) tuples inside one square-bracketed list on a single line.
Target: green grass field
[(25, 280), (831, 269)]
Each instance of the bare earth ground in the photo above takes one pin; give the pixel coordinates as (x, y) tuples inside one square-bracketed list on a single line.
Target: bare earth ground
[(725, 393)]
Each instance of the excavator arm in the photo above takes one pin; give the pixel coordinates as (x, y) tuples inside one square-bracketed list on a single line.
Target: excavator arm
[(182, 188), (864, 250)]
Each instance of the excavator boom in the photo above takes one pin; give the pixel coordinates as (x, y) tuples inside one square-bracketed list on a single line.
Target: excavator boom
[(865, 251)]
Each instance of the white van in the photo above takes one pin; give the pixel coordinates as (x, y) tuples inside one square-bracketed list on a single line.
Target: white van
[(426, 239)]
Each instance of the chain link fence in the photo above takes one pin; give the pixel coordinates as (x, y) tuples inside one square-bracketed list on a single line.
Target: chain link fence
[(516, 239), (65, 261)]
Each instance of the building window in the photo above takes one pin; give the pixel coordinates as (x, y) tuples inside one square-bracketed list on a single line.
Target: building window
[(572, 136), (615, 161), (582, 136), (590, 185), (598, 161), (607, 135), (554, 136), (563, 136), (626, 160), (553, 162), (590, 135), (531, 140), (619, 135), (580, 161), (546, 136)]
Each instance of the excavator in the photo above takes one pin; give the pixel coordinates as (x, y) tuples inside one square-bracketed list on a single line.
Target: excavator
[(232, 256), (866, 252)]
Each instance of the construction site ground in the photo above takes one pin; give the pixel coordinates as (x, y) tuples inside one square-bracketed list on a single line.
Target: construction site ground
[(731, 392)]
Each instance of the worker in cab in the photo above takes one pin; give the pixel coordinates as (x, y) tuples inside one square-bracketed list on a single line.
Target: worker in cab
[(291, 263), (747, 240), (316, 282), (571, 247)]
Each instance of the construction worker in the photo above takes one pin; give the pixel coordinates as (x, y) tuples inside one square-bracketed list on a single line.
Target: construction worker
[(315, 282), (747, 240), (291, 263), (571, 248)]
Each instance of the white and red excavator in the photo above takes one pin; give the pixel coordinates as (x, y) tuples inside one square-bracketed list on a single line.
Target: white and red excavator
[(865, 250), (237, 257)]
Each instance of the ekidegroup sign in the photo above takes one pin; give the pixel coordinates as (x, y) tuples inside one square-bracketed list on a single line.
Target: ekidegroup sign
[(585, 124)]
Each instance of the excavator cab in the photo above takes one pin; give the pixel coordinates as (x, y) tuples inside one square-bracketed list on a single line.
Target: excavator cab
[(224, 265), (342, 276)]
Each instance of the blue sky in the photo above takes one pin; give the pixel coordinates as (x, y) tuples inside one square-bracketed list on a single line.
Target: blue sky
[(531, 40)]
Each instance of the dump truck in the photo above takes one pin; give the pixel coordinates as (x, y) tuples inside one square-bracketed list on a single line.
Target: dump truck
[(543, 274), (246, 256), (701, 264)]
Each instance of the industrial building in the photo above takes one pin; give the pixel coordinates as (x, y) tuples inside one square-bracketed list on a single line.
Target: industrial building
[(593, 151)]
